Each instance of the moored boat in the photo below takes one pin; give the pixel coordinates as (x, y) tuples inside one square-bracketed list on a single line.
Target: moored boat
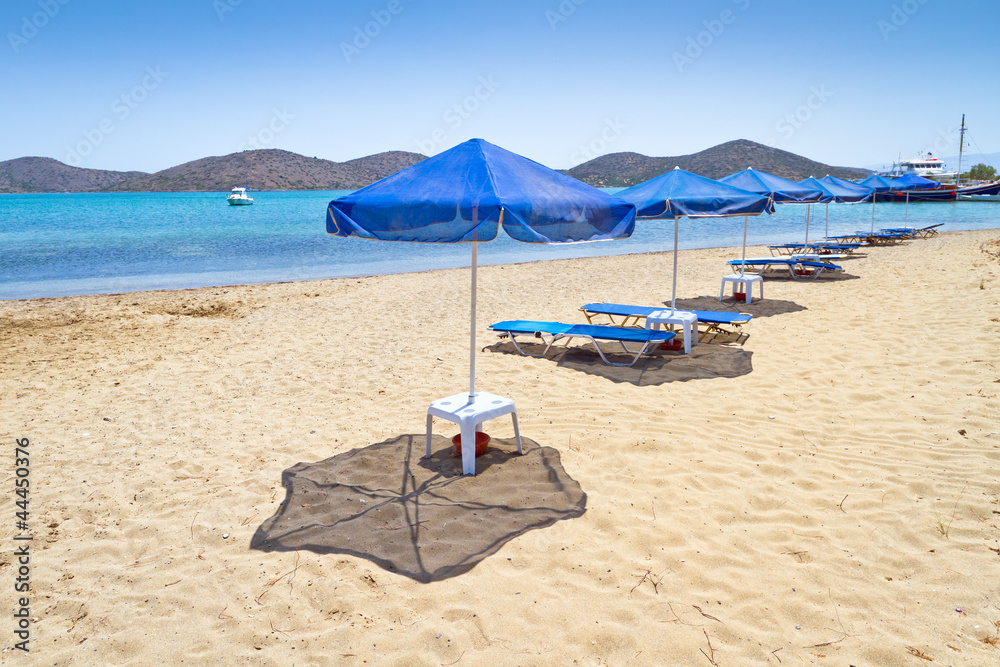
[(239, 197)]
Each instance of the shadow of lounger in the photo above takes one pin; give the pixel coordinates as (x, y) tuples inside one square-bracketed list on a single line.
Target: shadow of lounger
[(420, 518)]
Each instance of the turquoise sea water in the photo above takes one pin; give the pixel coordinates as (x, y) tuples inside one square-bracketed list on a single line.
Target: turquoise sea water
[(68, 244)]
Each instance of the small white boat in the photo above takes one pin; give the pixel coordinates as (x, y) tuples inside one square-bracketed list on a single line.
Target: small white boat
[(239, 197)]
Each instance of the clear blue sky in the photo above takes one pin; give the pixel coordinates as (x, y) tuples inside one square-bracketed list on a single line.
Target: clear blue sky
[(136, 85)]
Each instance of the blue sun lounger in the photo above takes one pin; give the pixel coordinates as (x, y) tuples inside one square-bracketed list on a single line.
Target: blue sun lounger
[(714, 320), (551, 332), (914, 232), (817, 247), (799, 269)]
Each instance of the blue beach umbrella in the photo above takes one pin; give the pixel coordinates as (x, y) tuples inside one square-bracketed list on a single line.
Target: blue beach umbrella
[(918, 183), (839, 191), (781, 190), (680, 194), (466, 194), (880, 185)]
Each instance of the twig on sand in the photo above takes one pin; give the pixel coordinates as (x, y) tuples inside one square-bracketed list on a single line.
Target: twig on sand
[(295, 567), (706, 615), (452, 663), (711, 658), (222, 613), (835, 641), (268, 585), (271, 623), (916, 652), (173, 582), (648, 574), (775, 652), (192, 523), (841, 505)]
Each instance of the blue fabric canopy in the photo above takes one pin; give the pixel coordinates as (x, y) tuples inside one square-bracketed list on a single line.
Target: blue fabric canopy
[(680, 193), (464, 194), (918, 182), (780, 189), (840, 190), (883, 184)]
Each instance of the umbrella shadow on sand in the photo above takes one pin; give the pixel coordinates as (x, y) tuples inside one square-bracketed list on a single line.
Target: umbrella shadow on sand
[(420, 518), (758, 307)]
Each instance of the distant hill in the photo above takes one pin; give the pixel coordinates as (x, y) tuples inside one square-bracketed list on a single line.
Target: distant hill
[(625, 169), (43, 174), (268, 169), (271, 169)]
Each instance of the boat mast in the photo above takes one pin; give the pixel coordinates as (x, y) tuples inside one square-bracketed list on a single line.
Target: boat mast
[(961, 141)]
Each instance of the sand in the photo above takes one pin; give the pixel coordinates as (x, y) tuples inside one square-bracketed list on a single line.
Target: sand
[(821, 490)]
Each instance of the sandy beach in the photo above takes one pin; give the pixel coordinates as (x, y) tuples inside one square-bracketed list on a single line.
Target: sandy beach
[(233, 475)]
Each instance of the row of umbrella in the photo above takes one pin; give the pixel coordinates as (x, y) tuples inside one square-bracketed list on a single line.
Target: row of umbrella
[(466, 194)]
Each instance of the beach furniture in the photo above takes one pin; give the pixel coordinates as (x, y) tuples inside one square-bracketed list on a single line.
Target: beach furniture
[(913, 232), (799, 269), (467, 194), (552, 332), (814, 247), (680, 194), (713, 320), (470, 415), (745, 281)]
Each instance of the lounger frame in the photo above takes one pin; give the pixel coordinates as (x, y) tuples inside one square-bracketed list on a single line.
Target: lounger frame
[(591, 310), (797, 269), (592, 332)]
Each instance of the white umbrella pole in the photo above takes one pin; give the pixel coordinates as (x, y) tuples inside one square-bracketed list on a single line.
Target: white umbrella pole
[(808, 210), (906, 211), (826, 234), (472, 332), (743, 262), (873, 212), (673, 291)]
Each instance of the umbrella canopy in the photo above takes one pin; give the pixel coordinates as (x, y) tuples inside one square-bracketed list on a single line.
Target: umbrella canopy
[(883, 184), (840, 190), (465, 194), (918, 182), (678, 193), (880, 184), (780, 189)]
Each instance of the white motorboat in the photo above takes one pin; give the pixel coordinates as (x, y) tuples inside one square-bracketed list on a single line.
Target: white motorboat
[(239, 197)]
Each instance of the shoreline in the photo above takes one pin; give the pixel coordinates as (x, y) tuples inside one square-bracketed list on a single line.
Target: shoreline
[(821, 487), (760, 250)]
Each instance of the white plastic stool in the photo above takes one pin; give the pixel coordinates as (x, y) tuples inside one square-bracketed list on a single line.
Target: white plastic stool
[(747, 280), (687, 320), (469, 415)]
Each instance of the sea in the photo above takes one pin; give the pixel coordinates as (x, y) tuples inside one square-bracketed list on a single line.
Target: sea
[(54, 245)]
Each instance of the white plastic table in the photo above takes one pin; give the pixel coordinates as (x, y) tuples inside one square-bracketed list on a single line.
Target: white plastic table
[(686, 319), (469, 415), (747, 280)]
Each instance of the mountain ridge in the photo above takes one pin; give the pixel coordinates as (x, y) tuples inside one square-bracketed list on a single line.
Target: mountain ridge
[(276, 169), (627, 169)]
